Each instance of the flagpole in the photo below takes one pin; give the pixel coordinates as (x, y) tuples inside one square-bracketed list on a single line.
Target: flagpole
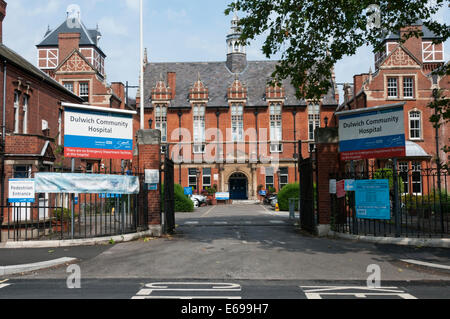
[(141, 84)]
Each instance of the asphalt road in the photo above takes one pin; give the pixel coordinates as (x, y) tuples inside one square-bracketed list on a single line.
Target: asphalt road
[(245, 251)]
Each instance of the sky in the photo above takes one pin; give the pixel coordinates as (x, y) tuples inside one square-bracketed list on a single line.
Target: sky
[(174, 31)]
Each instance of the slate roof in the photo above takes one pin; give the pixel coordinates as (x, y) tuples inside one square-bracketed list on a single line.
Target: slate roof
[(218, 78), (18, 60), (88, 36), (427, 33)]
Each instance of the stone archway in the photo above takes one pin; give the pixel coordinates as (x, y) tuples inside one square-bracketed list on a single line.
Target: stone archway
[(238, 186)]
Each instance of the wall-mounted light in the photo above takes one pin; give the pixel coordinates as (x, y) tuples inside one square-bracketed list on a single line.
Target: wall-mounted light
[(326, 121), (150, 123)]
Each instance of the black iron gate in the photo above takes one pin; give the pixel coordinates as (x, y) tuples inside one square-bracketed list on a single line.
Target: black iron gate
[(169, 196), (307, 220)]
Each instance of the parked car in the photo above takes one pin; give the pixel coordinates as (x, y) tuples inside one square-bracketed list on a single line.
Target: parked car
[(199, 200)]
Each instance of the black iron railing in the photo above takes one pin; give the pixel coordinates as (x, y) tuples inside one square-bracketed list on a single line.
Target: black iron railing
[(74, 216), (423, 205)]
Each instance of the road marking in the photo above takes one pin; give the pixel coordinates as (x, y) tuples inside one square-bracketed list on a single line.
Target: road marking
[(220, 223), (189, 290), (191, 223), (209, 211), (317, 292), (426, 264), (3, 285), (277, 222)]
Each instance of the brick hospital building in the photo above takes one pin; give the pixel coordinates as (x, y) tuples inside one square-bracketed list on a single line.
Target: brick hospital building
[(237, 132)]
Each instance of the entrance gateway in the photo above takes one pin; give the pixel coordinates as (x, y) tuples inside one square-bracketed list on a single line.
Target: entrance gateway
[(238, 186)]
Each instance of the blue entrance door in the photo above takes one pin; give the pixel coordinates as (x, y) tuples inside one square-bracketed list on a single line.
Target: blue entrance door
[(238, 187)]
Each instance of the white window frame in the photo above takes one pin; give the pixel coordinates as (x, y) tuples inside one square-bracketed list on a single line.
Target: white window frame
[(269, 172), (276, 124), (199, 112), (204, 185), (161, 121), (237, 122), (416, 120), (409, 88), (69, 86), (391, 87), (284, 174), (313, 119), (192, 176), (16, 111), (276, 148), (25, 100), (416, 168), (82, 92)]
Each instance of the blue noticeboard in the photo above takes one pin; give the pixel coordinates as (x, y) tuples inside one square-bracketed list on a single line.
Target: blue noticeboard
[(372, 199), (188, 191)]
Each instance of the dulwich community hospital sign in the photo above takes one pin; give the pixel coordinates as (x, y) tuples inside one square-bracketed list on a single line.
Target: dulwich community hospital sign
[(376, 132), (95, 132)]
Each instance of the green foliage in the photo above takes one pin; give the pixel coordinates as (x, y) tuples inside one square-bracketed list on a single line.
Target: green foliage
[(312, 36), (182, 202), (271, 190), (387, 173), (66, 214), (288, 191)]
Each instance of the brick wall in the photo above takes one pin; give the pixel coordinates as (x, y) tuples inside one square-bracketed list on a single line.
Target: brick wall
[(327, 157)]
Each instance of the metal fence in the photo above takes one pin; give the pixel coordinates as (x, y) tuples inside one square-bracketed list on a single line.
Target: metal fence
[(422, 208), (64, 216)]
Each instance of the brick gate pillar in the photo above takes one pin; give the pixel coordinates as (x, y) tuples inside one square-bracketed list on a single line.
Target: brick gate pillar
[(327, 161), (147, 155)]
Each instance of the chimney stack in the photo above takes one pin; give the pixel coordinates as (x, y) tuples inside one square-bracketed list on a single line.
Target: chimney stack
[(172, 83), (3, 5), (67, 42)]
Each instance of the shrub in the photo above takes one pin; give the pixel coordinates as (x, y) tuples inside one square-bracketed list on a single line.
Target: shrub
[(387, 173), (288, 191), (182, 202), (66, 216)]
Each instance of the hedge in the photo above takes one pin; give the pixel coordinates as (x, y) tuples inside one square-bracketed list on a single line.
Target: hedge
[(182, 202), (288, 191)]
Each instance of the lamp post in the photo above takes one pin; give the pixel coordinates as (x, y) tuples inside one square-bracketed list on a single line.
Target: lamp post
[(141, 84), (294, 114), (180, 114), (198, 181), (438, 158)]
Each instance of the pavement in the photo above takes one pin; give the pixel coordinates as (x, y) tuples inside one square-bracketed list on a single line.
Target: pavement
[(250, 245)]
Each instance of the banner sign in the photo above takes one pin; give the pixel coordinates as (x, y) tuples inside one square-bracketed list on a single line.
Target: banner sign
[(21, 191), (223, 196), (372, 199), (375, 132), (188, 191), (94, 132), (86, 183)]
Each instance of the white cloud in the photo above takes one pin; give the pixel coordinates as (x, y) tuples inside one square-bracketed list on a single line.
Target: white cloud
[(109, 25), (132, 4)]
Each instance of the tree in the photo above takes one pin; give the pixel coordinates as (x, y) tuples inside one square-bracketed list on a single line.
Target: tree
[(312, 35)]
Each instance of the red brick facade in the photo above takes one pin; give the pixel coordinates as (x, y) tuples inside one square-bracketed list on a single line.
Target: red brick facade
[(403, 74)]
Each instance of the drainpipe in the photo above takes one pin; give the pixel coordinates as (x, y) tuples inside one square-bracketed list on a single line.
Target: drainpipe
[(3, 148)]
